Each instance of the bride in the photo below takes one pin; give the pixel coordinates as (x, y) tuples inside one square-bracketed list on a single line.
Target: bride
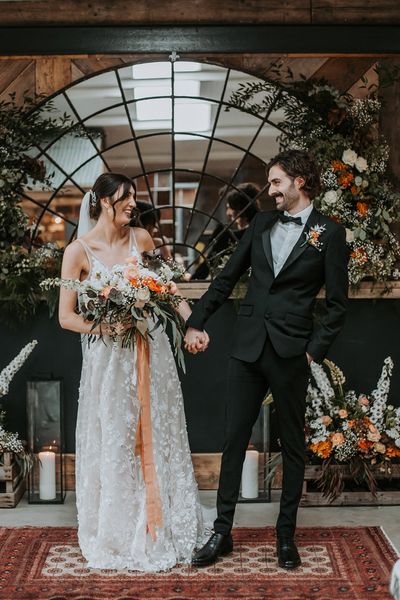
[(125, 521)]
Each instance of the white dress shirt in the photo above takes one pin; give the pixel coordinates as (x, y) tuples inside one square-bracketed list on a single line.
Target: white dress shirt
[(284, 237)]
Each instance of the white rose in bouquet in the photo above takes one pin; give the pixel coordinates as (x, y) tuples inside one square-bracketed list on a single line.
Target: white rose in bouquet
[(330, 197), (349, 235), (349, 157), (361, 164), (143, 294)]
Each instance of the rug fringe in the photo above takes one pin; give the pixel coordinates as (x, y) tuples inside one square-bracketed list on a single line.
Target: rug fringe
[(396, 551)]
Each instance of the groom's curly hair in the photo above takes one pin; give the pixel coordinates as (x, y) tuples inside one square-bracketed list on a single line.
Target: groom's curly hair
[(299, 163)]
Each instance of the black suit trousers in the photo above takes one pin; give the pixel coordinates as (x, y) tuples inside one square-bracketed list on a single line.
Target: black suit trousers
[(248, 384)]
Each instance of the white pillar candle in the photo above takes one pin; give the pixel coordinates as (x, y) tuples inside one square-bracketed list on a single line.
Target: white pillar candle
[(250, 475), (47, 475)]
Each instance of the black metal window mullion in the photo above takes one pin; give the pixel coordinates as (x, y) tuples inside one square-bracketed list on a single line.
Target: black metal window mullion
[(138, 151), (84, 128), (210, 143), (46, 206), (80, 123), (239, 166), (173, 150)]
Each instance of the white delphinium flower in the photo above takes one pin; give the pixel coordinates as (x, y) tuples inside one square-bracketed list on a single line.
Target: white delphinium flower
[(380, 394), (393, 433), (319, 433), (8, 372), (323, 384), (315, 401)]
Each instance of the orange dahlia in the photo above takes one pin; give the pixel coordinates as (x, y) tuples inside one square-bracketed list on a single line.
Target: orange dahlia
[(362, 208), (364, 444), (152, 285), (360, 255), (393, 452), (338, 165), (322, 449), (346, 179)]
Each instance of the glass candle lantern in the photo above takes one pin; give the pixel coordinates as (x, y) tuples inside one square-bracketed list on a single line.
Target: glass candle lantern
[(45, 424)]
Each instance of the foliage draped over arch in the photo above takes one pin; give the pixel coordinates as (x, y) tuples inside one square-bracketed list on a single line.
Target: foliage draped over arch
[(342, 132)]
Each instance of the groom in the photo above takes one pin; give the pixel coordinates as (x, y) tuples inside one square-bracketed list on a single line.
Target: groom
[(292, 251)]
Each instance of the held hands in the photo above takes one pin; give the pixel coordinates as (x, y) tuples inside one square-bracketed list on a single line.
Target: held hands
[(196, 341)]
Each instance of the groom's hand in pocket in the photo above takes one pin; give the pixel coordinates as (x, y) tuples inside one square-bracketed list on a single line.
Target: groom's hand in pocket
[(196, 340)]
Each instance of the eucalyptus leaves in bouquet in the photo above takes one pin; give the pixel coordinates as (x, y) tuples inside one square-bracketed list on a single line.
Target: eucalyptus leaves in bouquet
[(130, 300)]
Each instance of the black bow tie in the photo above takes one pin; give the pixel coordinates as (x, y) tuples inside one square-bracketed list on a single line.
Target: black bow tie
[(286, 219)]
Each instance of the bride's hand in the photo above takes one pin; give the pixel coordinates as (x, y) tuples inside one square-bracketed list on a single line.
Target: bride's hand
[(118, 328)]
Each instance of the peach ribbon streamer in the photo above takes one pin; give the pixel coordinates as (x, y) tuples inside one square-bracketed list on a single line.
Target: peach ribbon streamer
[(144, 442)]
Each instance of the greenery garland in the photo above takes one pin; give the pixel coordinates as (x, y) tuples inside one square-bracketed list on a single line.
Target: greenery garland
[(342, 133), (22, 129)]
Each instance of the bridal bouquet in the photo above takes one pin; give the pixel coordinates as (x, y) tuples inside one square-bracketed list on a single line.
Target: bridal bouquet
[(132, 299), (343, 428)]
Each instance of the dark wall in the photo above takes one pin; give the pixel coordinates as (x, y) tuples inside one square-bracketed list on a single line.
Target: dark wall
[(371, 333), (58, 353)]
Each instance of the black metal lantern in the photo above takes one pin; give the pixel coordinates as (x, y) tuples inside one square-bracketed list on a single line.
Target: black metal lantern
[(255, 485), (45, 424)]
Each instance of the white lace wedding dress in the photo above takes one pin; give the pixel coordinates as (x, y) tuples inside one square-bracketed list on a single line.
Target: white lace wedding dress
[(110, 490)]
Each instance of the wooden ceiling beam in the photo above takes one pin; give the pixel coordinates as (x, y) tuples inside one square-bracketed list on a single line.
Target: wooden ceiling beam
[(147, 12), (343, 73), (353, 12)]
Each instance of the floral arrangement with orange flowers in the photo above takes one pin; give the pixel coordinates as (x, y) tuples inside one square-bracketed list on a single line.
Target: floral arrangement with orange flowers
[(362, 431), (11, 442), (343, 134), (135, 298)]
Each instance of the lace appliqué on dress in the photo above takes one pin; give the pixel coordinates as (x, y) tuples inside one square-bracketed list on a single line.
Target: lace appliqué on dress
[(109, 484)]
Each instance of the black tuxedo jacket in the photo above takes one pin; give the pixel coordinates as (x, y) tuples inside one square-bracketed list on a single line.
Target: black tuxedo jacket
[(282, 306)]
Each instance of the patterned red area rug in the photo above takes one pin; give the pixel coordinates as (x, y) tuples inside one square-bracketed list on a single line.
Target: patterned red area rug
[(44, 563)]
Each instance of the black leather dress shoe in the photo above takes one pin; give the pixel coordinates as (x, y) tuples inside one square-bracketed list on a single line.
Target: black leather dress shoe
[(288, 555), (217, 545)]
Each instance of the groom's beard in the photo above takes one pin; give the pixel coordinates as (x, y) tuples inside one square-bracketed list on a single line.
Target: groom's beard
[(288, 200)]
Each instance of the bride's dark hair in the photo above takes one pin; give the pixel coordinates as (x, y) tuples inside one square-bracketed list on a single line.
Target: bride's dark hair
[(105, 186)]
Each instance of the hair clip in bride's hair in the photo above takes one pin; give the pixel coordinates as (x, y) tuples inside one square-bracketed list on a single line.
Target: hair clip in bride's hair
[(93, 198)]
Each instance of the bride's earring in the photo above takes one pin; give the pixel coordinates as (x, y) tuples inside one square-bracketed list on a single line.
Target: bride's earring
[(108, 208)]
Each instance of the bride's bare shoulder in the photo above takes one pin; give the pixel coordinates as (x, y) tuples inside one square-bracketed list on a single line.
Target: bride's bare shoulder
[(143, 239), (75, 252)]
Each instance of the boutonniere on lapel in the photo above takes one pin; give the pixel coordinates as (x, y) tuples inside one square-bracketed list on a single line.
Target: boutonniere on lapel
[(313, 235)]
